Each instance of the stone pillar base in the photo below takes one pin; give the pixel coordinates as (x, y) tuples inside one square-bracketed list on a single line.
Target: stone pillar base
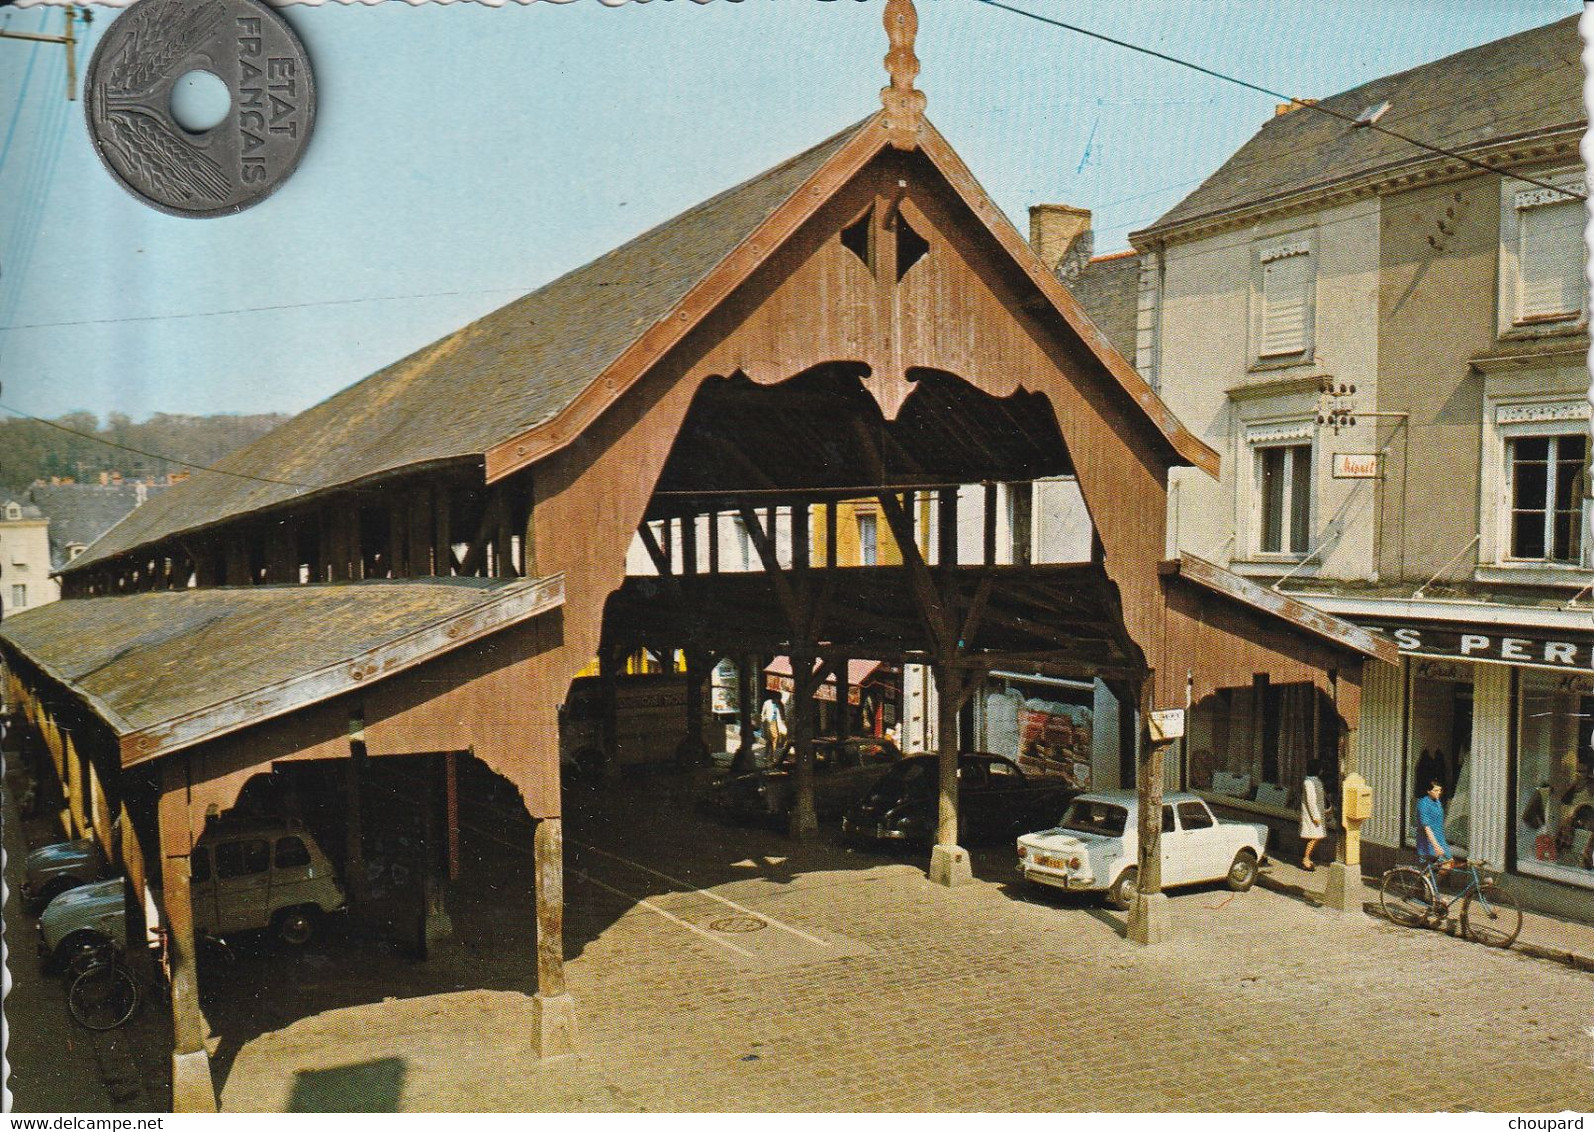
[(949, 865), (1344, 890), (555, 1018), (192, 1088), (1148, 919), (438, 926)]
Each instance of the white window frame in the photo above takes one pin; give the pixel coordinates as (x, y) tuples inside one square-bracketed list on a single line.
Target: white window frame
[(868, 549), (1259, 440), (1516, 199), (1280, 250), (1505, 421), (13, 512)]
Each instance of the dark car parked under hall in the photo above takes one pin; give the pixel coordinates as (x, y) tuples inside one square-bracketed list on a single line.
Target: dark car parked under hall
[(996, 800)]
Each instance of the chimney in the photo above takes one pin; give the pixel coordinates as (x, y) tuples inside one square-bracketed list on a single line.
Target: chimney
[(1282, 108), (1055, 231), (105, 479)]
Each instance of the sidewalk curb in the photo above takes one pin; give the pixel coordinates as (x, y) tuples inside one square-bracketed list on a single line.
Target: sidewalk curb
[(1284, 885)]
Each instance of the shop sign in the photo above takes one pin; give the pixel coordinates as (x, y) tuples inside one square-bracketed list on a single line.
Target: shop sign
[(1502, 645), (826, 691), (1355, 465), (1167, 725)]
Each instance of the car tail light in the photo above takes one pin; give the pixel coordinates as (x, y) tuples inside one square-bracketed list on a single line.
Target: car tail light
[(1022, 852), (1073, 862)]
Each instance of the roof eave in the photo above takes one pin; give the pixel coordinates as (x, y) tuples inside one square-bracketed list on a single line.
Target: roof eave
[(1325, 626)]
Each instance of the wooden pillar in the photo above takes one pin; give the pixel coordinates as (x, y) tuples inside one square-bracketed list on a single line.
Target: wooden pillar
[(398, 535), (236, 556), (691, 751), (843, 700), (949, 862), (804, 820), (442, 532), (1148, 914), (451, 807), (504, 534), (192, 1087), (554, 1009), (353, 835), (747, 688), (435, 922), (283, 565), (608, 675), (1344, 891)]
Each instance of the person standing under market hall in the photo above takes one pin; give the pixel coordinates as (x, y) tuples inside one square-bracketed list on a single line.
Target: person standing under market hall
[(1431, 844)]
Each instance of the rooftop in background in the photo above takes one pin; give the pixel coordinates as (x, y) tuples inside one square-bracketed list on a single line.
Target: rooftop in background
[(80, 513), (1525, 84), (1108, 289)]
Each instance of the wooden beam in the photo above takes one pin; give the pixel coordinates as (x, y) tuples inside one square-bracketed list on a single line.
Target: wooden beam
[(928, 598), (767, 554)]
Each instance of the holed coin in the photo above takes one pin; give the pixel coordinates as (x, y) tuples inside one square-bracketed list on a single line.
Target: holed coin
[(233, 164)]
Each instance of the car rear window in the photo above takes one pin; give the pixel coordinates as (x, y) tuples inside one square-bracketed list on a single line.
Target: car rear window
[(291, 853), (1103, 818)]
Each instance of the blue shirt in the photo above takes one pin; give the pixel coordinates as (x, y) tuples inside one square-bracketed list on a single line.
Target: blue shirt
[(1431, 814)]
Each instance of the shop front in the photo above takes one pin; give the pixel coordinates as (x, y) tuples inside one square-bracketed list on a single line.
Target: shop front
[(1502, 717)]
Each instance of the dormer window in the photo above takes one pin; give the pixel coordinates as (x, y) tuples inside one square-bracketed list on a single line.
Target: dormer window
[(13, 512)]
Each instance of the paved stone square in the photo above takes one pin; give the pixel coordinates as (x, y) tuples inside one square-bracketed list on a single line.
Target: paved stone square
[(868, 988)]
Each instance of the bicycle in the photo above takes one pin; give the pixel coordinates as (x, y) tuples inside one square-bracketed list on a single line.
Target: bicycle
[(1490, 915), (104, 991)]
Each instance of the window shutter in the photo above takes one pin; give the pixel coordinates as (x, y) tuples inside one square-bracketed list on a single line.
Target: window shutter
[(1552, 259), (1285, 282)]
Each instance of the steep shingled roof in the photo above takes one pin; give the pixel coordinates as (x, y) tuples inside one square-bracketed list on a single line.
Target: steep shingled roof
[(1109, 290), (1527, 83), (511, 369)]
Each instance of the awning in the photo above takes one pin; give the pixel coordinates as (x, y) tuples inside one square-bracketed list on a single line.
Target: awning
[(168, 669), (778, 678)]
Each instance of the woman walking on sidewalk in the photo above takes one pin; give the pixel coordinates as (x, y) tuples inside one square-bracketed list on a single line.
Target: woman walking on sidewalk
[(1314, 823)]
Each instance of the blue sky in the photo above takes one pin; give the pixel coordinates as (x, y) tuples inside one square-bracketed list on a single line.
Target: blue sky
[(465, 154)]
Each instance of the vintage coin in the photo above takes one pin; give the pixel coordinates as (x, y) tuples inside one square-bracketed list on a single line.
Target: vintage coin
[(231, 165)]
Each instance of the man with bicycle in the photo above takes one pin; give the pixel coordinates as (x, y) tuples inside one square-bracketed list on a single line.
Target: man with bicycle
[(1431, 844)]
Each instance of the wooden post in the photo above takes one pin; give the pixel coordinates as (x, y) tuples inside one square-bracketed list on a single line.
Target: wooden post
[(451, 802), (442, 532), (1148, 915), (804, 821), (608, 675), (237, 563), (554, 1009), (192, 1087), (747, 700), (354, 878), (949, 862), (398, 536), (843, 698), (504, 534), (691, 751), (947, 527), (435, 922), (1343, 890)]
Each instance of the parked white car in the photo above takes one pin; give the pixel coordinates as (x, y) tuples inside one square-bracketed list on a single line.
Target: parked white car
[(245, 875), (1095, 848)]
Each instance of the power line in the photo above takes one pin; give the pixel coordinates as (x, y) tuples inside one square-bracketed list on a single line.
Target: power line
[(1302, 103), (256, 310), (156, 455)]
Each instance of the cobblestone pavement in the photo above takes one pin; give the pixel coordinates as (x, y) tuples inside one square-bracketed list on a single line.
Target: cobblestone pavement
[(871, 989)]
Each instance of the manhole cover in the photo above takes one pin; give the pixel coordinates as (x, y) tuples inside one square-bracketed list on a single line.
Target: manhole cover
[(739, 924)]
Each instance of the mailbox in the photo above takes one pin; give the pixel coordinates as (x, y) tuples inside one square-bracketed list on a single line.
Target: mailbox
[(1358, 799)]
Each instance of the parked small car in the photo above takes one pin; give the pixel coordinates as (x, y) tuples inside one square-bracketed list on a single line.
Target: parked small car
[(995, 800), (843, 768), (52, 869), (1096, 845), (249, 875)]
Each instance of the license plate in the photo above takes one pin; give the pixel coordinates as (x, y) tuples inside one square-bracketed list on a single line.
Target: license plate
[(1046, 862)]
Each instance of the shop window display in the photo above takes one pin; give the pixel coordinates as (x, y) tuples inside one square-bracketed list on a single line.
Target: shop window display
[(1555, 777), (1255, 744), (1440, 746)]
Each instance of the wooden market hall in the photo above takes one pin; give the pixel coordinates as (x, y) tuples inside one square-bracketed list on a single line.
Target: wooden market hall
[(423, 563)]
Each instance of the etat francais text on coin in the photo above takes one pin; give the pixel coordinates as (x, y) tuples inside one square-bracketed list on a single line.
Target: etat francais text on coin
[(241, 159)]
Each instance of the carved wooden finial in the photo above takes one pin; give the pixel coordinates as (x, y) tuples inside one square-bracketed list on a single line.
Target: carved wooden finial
[(904, 105)]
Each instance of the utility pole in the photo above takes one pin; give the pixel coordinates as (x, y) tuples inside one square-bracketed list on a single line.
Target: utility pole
[(69, 40)]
